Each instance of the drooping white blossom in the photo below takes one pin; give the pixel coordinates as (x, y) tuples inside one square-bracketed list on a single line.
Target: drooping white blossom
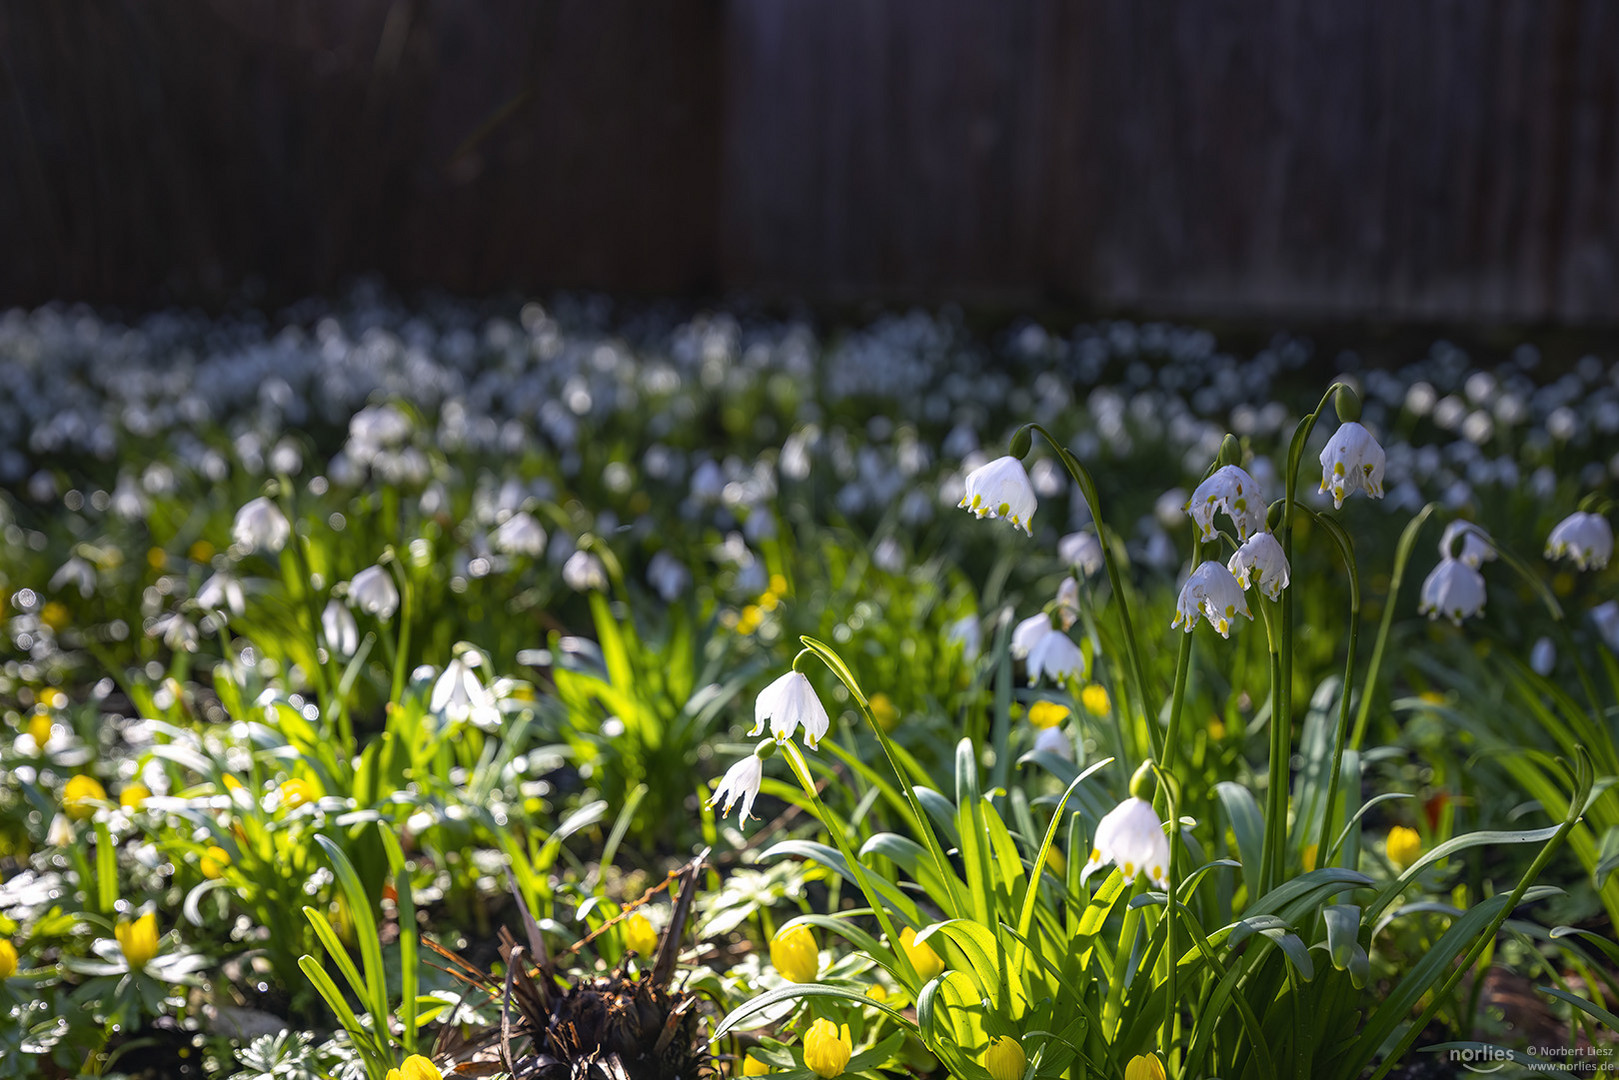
[(461, 697), (1261, 561), (341, 632), (1055, 657), (1352, 461), (373, 591), (1584, 539), (1083, 551), (1231, 491), (1132, 838), (1053, 740), (1453, 589), (1001, 489), (1214, 592), (786, 704), (1029, 633), (966, 632), (261, 526), (520, 534), (1067, 609), (221, 591), (584, 572), (741, 781), (1466, 542)]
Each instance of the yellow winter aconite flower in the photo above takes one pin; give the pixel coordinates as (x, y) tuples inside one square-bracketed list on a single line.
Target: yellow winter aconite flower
[(416, 1067), (639, 936), (54, 615), (1094, 698), (214, 861), (1144, 1067), (138, 940), (80, 795), (133, 795), (8, 959), (1404, 846), (884, 711), (1047, 714), (1005, 1059), (827, 1049), (795, 955), (157, 558), (201, 551), (752, 1066), (923, 958), (296, 792), (40, 728)]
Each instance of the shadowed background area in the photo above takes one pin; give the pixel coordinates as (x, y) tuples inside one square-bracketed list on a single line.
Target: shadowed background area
[(1414, 160)]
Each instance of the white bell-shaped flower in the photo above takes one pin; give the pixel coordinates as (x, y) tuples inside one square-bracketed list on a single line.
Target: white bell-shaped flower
[(584, 572), (1055, 657), (1261, 561), (1454, 590), (520, 534), (1001, 489), (1132, 838), (1053, 740), (1352, 461), (967, 633), (741, 781), (337, 625), (461, 697), (222, 591), (1213, 591), (1229, 490), (1466, 542), (373, 591), (1584, 539), (1606, 618), (261, 526), (786, 704), (1067, 602), (1082, 551), (1029, 633)]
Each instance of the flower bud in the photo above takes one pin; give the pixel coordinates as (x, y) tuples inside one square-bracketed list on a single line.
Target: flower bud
[(1143, 782), (1022, 442), (1005, 1059), (1347, 404), (1230, 451)]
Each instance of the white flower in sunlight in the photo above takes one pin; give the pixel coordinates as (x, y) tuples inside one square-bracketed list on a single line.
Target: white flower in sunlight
[(222, 591), (373, 591), (260, 526), (1052, 740), (1352, 461), (460, 696), (1081, 550), (1606, 618), (1215, 592), (1029, 633), (1584, 539), (1056, 657), (1132, 838), (1260, 561), (177, 632), (583, 572), (1454, 590), (76, 572), (1466, 542), (965, 632), (520, 534), (787, 703), (741, 781), (1001, 489), (1232, 491), (1067, 602), (342, 633)]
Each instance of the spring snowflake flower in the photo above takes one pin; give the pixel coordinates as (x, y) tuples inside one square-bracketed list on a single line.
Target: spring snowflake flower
[(1029, 633), (1051, 740), (1132, 838), (787, 703), (1230, 490), (1067, 609), (1454, 590), (1001, 489), (1215, 592), (373, 591), (966, 633), (460, 696), (1352, 461), (1543, 657), (341, 632), (1082, 551), (741, 781), (221, 591), (520, 534), (1466, 542), (261, 526), (584, 572), (1584, 539), (1005, 1059), (827, 1048), (1056, 657), (1260, 561)]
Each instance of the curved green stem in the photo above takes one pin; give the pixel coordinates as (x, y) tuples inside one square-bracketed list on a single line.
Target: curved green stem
[(1183, 662), (1275, 794), (1138, 671), (1346, 548), (1402, 556)]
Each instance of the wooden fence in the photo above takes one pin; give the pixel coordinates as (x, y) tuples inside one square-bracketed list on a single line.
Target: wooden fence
[(1400, 159)]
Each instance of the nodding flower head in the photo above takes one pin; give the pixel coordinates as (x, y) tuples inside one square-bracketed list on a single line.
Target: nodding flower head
[(1466, 542), (1229, 490), (1214, 592), (1132, 838), (741, 781), (788, 702), (1584, 539), (1454, 590), (1352, 461), (1260, 561), (260, 526), (1001, 489)]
